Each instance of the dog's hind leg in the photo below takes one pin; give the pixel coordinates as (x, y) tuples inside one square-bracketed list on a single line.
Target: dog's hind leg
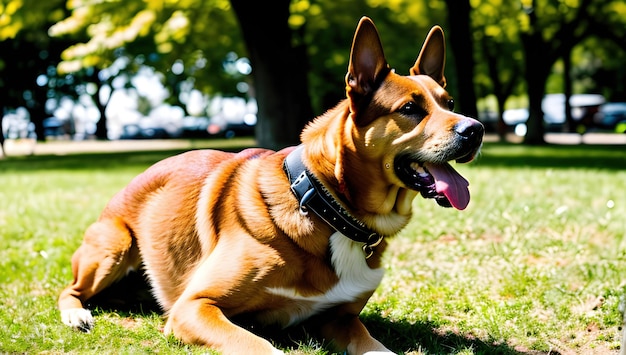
[(348, 334), (107, 253)]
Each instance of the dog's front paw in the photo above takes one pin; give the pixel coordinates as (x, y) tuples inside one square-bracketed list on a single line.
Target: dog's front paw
[(77, 318)]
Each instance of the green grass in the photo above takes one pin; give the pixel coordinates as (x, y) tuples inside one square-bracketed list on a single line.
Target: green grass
[(534, 265)]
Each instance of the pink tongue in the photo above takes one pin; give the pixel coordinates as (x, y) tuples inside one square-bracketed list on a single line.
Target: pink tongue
[(451, 184)]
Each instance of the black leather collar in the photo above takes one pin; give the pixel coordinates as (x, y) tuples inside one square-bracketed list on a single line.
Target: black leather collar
[(313, 196)]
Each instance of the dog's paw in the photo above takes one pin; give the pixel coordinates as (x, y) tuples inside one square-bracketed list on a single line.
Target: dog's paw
[(77, 318)]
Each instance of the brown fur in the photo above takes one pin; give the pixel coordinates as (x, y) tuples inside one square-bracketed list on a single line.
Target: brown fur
[(221, 235)]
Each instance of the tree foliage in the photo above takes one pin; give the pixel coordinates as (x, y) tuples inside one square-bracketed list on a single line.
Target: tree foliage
[(299, 68), (499, 72), (28, 53), (201, 34)]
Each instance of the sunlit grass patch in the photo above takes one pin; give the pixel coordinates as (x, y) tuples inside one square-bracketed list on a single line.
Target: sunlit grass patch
[(534, 264)]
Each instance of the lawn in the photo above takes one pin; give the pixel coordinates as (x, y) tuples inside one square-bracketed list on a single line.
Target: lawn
[(534, 265)]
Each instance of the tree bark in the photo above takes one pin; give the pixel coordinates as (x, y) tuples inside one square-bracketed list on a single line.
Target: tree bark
[(2, 134), (102, 131), (567, 90), (279, 71), (502, 89), (536, 71), (462, 46)]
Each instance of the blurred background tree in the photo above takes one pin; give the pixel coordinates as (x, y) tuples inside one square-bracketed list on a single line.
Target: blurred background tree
[(28, 53), (499, 72), (291, 55)]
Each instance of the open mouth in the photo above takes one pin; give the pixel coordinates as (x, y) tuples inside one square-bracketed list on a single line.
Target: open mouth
[(435, 180)]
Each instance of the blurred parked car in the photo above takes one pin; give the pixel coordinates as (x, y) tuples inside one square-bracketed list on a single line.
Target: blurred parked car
[(584, 106), (517, 118), (17, 124), (229, 128), (150, 128), (489, 119), (195, 127), (611, 116), (133, 131), (53, 127)]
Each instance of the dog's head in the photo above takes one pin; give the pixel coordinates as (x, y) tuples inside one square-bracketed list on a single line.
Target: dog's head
[(406, 123)]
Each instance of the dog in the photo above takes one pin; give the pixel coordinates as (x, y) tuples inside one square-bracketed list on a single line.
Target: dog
[(290, 236)]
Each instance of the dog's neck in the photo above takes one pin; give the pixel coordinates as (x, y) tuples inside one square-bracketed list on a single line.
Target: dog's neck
[(382, 206), (313, 196)]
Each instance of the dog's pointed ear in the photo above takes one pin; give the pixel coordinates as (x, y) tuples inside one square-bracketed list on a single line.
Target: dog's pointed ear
[(368, 65), (432, 58)]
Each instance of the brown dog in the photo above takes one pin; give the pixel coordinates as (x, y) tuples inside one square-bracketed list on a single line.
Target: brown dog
[(289, 236)]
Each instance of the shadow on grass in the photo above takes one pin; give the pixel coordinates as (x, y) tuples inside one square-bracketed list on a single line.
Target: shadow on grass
[(405, 336), (131, 297)]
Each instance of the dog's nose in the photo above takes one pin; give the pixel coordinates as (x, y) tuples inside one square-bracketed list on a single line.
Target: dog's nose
[(471, 131)]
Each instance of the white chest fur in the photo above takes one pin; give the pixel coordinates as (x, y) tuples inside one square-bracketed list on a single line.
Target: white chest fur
[(355, 278)]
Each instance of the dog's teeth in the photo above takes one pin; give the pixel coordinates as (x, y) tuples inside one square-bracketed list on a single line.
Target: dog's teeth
[(420, 170)]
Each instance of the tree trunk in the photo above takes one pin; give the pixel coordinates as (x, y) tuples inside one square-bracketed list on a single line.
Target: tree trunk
[(501, 127), (540, 55), (2, 133), (536, 77), (37, 109), (536, 71), (102, 132), (567, 90), (498, 86), (462, 46), (279, 72)]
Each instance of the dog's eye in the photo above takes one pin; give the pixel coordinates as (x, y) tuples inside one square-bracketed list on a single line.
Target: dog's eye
[(413, 110), (450, 104)]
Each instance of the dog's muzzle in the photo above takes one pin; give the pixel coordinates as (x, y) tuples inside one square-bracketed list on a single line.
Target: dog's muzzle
[(438, 180)]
